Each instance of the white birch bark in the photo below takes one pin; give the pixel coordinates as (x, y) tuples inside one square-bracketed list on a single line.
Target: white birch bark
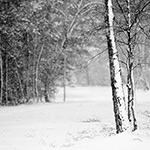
[(121, 118), (130, 77)]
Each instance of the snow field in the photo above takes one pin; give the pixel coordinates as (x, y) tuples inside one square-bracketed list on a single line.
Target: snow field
[(84, 122)]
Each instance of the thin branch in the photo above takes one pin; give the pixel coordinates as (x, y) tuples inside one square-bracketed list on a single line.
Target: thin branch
[(137, 15), (122, 11), (90, 60), (122, 42), (141, 61), (144, 31), (80, 9), (123, 63), (122, 51)]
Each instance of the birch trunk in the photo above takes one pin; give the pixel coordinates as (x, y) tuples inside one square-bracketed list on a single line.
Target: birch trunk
[(130, 78), (120, 113)]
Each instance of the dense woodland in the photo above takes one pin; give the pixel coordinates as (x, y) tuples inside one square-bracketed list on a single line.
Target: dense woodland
[(43, 43), (49, 43)]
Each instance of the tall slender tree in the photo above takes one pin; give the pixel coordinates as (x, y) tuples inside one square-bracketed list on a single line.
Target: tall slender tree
[(130, 78), (121, 119), (130, 23)]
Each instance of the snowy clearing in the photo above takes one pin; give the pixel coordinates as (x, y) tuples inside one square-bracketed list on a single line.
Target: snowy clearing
[(84, 122)]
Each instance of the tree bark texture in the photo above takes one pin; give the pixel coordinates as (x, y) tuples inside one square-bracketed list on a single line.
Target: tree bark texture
[(120, 113), (130, 77)]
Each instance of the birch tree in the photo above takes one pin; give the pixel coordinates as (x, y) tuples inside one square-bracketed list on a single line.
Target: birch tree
[(130, 25), (131, 40), (130, 78), (121, 119)]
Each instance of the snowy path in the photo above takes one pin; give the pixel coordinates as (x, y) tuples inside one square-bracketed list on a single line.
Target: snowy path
[(83, 124)]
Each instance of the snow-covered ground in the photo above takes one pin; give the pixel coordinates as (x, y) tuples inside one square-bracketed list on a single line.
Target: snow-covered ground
[(84, 122)]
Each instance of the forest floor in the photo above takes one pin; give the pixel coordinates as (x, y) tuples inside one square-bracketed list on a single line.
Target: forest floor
[(84, 122)]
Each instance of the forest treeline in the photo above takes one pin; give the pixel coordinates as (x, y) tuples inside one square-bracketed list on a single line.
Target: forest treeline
[(41, 44), (44, 42)]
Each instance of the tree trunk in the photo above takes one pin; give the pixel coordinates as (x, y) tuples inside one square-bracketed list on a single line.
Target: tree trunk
[(63, 47), (4, 68), (120, 113), (131, 113), (27, 55), (27, 87), (144, 67), (130, 78), (64, 77), (34, 68), (46, 88), (21, 86), (1, 86), (46, 95), (46, 92), (37, 72), (87, 76)]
